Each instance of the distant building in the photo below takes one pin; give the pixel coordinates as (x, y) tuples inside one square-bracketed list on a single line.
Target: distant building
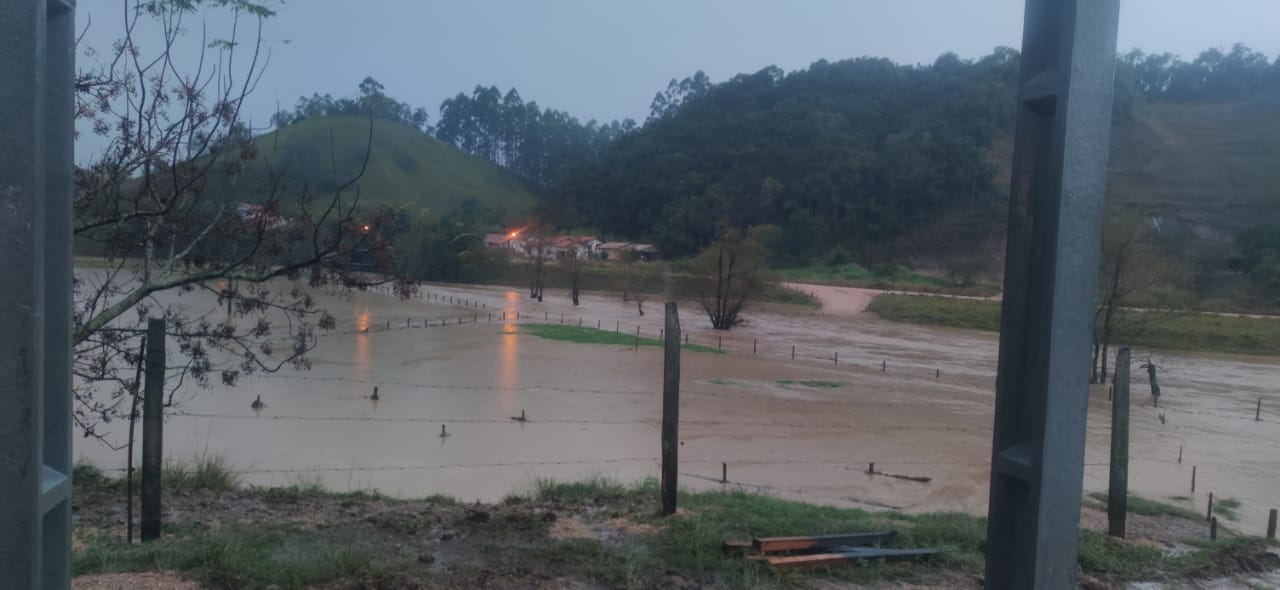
[(257, 216), (621, 251)]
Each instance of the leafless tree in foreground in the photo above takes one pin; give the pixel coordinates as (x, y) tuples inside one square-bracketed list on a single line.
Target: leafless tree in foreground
[(157, 221)]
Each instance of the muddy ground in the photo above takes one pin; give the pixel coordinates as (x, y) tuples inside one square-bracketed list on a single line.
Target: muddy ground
[(532, 543)]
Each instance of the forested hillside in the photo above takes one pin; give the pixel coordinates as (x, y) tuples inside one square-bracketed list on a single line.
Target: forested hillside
[(840, 153), (863, 153)]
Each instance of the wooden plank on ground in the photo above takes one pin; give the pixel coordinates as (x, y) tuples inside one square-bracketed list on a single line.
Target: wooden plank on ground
[(790, 562), (776, 544), (736, 547)]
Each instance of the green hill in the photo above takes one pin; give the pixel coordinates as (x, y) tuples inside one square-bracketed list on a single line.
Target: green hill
[(407, 169)]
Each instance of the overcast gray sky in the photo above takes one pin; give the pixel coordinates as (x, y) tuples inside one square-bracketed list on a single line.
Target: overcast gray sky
[(605, 59)]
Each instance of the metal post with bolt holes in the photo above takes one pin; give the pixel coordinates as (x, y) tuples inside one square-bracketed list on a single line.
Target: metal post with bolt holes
[(1061, 145), (37, 64)]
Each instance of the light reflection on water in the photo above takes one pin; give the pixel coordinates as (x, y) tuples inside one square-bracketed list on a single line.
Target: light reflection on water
[(509, 361)]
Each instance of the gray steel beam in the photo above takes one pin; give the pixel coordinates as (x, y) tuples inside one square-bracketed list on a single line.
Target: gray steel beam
[(59, 133), (1051, 262), (22, 193), (37, 67)]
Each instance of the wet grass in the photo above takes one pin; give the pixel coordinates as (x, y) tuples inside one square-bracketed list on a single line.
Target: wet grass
[(1147, 507), (1187, 331), (594, 336), (815, 383), (1226, 508), (235, 556)]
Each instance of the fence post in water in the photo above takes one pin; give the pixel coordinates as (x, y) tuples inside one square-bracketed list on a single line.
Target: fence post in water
[(720, 342), (793, 352), (937, 373), (724, 474), (871, 468), (637, 338), (883, 365), (670, 409), (1118, 488), (1257, 417), (153, 430), (1209, 514), (754, 342), (597, 325), (835, 359), (1271, 525), (1193, 479), (1213, 529), (617, 327)]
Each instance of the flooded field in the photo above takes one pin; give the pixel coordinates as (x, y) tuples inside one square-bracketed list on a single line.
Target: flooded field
[(914, 400)]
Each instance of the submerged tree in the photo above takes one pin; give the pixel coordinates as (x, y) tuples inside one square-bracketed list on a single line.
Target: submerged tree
[(1131, 268), (576, 261), (538, 248), (152, 207), (731, 272)]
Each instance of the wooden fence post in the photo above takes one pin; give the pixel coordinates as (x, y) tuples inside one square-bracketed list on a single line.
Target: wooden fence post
[(1193, 479), (153, 430), (670, 409), (1209, 514), (1213, 529), (1257, 416), (1118, 488), (133, 422), (1271, 525)]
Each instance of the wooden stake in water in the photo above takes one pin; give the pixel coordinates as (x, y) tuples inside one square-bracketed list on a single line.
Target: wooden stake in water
[(1213, 528), (1179, 454), (1257, 416), (1193, 479), (1209, 514), (724, 473), (1271, 525)]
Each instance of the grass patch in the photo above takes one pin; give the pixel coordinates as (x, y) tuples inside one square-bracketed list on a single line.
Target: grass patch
[(1226, 508), (888, 277), (1189, 331), (235, 556), (1104, 554), (1145, 507), (594, 336), (974, 314), (815, 383), (203, 472)]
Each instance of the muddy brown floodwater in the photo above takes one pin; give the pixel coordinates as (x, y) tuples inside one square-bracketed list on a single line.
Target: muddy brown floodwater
[(914, 400)]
